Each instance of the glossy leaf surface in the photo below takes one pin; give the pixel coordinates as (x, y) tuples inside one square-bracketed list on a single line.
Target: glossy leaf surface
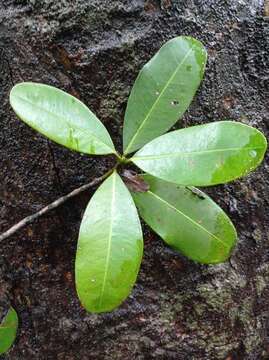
[(203, 155), (8, 330), (109, 249), (60, 117), (187, 220), (163, 91)]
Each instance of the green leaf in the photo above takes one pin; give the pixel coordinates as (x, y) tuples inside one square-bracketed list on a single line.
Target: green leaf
[(187, 220), (8, 330), (60, 117), (203, 155), (163, 91), (109, 249)]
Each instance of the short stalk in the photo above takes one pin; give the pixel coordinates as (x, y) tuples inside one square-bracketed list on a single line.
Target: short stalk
[(124, 160)]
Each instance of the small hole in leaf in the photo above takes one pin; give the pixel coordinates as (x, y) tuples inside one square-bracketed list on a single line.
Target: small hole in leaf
[(157, 93), (174, 102)]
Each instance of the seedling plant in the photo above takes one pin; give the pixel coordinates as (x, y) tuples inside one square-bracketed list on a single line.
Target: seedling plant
[(110, 244)]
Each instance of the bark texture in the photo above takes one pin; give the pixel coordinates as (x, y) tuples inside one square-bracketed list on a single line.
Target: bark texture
[(94, 50)]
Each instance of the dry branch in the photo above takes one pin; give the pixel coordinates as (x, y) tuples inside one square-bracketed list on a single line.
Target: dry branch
[(29, 219)]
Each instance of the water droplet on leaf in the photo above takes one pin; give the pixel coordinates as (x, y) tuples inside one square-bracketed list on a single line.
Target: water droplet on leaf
[(253, 153)]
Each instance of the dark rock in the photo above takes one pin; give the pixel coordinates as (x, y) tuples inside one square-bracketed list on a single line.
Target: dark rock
[(94, 49)]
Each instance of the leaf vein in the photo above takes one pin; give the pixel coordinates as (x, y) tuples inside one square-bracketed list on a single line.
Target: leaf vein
[(71, 126), (157, 100), (109, 240), (153, 157), (188, 218)]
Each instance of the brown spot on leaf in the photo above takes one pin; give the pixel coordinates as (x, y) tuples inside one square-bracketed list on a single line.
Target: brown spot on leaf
[(134, 182)]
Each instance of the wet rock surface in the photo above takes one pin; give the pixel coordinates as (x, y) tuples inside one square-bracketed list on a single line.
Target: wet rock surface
[(94, 50)]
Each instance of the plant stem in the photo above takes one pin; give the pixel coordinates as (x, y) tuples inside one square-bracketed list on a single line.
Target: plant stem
[(124, 160), (29, 219), (118, 156)]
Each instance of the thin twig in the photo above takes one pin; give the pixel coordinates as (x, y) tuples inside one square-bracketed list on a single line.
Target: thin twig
[(29, 219)]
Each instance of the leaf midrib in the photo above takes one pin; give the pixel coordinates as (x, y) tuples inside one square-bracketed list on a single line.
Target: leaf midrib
[(86, 131), (188, 218), (157, 100), (152, 157), (109, 240)]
